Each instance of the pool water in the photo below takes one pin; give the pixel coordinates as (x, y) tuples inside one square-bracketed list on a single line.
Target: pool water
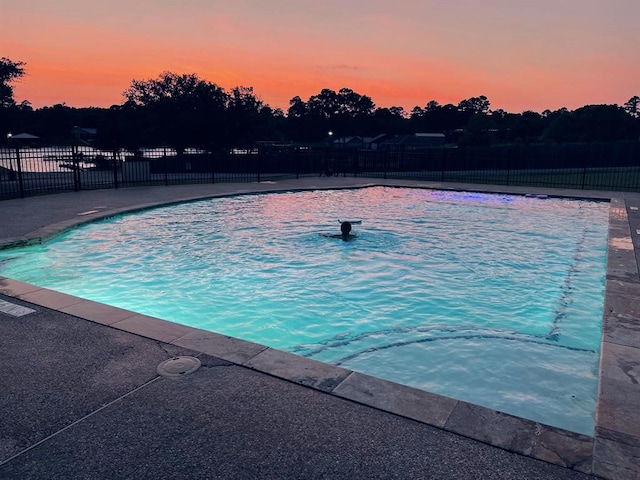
[(492, 299)]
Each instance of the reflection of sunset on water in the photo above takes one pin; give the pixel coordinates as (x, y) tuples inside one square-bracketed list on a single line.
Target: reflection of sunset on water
[(439, 290)]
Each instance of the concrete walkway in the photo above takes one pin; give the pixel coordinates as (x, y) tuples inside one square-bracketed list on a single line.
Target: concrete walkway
[(82, 394)]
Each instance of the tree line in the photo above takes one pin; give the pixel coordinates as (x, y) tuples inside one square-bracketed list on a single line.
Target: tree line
[(183, 110)]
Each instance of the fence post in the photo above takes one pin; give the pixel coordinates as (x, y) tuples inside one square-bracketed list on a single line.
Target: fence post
[(356, 162), (166, 166), (584, 166), (258, 160), (19, 168), (212, 167), (116, 158), (347, 161), (508, 162), (75, 166), (385, 160), (636, 162)]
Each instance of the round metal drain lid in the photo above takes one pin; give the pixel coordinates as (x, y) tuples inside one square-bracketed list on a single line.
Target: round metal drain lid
[(178, 366)]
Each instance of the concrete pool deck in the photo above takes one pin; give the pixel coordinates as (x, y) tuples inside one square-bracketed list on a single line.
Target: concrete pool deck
[(81, 395)]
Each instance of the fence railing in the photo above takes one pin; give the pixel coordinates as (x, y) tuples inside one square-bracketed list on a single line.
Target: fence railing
[(28, 171)]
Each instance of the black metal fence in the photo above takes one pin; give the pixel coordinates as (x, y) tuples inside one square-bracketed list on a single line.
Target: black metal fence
[(28, 171)]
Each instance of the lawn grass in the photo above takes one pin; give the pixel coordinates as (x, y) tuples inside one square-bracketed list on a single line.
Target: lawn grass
[(619, 179)]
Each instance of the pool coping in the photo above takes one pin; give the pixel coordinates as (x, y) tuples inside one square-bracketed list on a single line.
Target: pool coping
[(610, 453)]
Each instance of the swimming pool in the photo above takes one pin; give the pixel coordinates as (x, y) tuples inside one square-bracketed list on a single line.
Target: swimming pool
[(492, 299)]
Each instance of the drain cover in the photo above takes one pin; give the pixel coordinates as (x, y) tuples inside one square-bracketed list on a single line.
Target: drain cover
[(178, 366)]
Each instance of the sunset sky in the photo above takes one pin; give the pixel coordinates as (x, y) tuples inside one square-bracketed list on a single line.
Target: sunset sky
[(523, 55)]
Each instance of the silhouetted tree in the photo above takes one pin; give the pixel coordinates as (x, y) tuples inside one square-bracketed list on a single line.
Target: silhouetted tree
[(55, 123), (479, 131), (438, 118), (632, 107), (392, 120), (247, 118), (592, 123), (180, 110), (475, 105), (299, 124), (353, 104), (432, 106), (9, 72), (344, 112), (11, 114), (527, 126), (472, 107)]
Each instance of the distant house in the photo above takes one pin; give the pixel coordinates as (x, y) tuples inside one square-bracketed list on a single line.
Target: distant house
[(414, 141), (23, 139), (346, 142), (368, 143), (372, 143), (22, 136), (84, 134)]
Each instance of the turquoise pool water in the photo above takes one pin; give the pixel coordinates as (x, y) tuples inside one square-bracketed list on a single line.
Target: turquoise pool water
[(492, 299)]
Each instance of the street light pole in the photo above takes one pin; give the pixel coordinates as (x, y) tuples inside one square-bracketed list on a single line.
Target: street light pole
[(328, 159)]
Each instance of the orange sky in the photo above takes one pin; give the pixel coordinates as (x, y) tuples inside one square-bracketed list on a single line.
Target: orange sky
[(523, 55)]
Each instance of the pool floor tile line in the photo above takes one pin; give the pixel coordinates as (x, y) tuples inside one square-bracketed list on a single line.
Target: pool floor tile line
[(612, 453)]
